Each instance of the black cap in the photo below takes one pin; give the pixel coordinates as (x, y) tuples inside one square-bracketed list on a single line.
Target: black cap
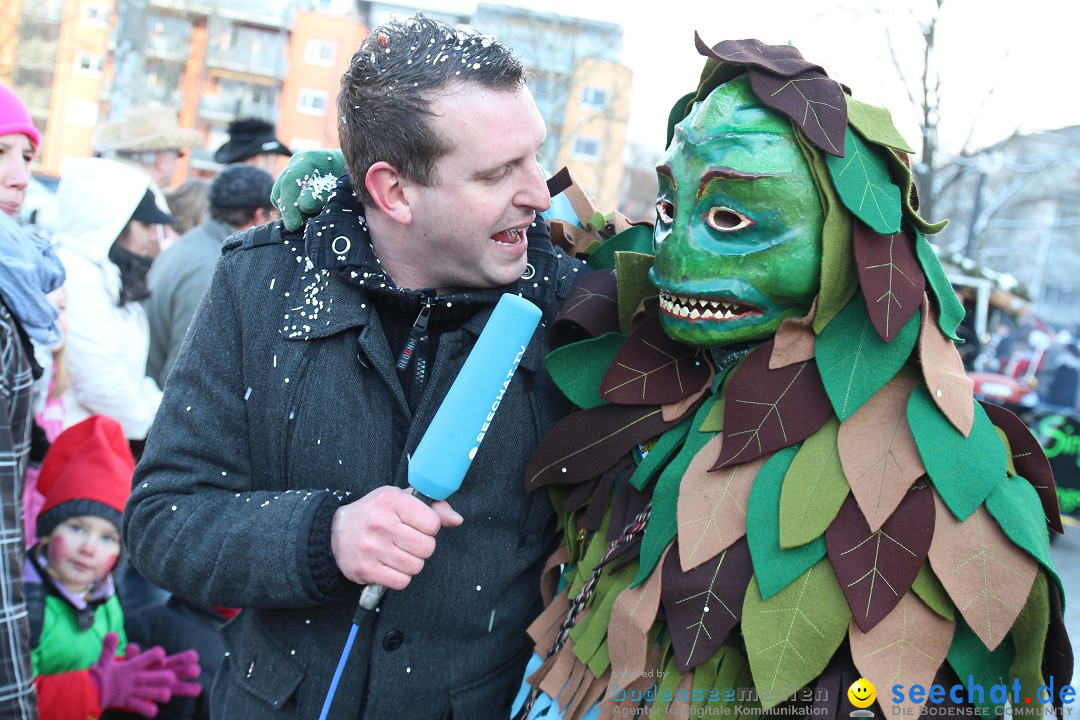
[(249, 137), (149, 213)]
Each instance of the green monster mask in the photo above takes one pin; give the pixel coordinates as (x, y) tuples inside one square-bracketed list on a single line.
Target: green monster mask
[(738, 230)]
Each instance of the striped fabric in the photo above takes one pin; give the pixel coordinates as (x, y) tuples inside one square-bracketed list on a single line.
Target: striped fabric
[(16, 679)]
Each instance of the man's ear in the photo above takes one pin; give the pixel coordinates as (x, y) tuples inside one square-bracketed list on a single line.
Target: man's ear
[(386, 186)]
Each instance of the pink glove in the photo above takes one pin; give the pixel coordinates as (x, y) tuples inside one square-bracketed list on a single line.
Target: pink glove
[(185, 665), (140, 682)]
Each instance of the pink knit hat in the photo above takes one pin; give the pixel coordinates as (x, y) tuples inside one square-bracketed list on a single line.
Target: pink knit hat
[(15, 118)]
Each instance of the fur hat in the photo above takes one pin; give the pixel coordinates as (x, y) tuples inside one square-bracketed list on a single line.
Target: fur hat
[(242, 186), (145, 129), (86, 471), (249, 137), (15, 118)]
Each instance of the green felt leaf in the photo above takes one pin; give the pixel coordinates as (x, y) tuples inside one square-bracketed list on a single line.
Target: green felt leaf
[(597, 546), (663, 525), (875, 124), (791, 636), (659, 453), (578, 368), (736, 683), (932, 592), (590, 634), (638, 238), (861, 178), (597, 221), (1015, 504), (963, 470), (901, 171), (632, 269), (1029, 638), (814, 488), (774, 567), (839, 275), (950, 310), (666, 688), (853, 359), (968, 656)]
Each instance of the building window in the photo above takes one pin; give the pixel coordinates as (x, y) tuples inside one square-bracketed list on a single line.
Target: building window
[(94, 16), (594, 97), (82, 113), (586, 149), (88, 64), (312, 102), (320, 52)]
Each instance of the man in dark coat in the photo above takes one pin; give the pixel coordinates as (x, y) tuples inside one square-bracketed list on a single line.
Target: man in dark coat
[(273, 479)]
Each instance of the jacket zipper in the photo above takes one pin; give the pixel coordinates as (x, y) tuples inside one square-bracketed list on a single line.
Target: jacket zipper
[(416, 346)]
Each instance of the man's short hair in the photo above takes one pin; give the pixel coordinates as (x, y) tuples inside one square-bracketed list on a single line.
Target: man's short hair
[(395, 75)]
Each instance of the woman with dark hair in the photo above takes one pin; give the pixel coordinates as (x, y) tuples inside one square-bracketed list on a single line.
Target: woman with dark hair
[(109, 231)]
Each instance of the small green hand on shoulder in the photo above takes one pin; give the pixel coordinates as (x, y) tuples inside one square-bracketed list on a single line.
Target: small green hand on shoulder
[(302, 189)]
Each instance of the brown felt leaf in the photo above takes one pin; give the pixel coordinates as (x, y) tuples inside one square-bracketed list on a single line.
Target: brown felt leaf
[(652, 369), (876, 568), (878, 452), (586, 443), (814, 101), (1029, 459), (906, 648), (705, 604), (794, 340), (949, 385), (769, 409), (712, 505), (591, 309), (985, 574), (783, 60), (628, 630), (1057, 659), (892, 280)]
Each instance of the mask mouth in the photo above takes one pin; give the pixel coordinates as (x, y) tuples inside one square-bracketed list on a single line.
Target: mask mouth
[(704, 308)]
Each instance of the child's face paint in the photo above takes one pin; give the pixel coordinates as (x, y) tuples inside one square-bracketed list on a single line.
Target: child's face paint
[(82, 550)]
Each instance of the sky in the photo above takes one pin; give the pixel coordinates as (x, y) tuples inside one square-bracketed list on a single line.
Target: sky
[(1023, 52)]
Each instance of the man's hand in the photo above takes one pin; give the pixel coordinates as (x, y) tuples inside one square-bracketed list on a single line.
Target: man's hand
[(385, 536), (301, 190)]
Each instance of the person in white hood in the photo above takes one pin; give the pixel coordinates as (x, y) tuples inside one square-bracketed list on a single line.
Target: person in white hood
[(109, 233)]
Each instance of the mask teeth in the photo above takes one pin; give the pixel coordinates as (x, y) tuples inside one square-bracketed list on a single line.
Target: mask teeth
[(699, 308)]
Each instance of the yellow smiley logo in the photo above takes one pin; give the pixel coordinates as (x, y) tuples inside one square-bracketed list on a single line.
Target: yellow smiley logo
[(862, 693)]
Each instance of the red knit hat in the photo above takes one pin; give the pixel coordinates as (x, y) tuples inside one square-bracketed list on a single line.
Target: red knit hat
[(15, 118), (87, 471)]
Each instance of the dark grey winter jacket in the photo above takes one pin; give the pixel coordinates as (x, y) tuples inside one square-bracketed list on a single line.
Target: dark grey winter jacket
[(284, 399)]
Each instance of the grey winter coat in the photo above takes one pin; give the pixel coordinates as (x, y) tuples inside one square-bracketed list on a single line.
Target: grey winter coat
[(283, 401)]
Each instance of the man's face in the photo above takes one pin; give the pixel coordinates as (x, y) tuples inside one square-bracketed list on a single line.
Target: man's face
[(468, 228), (738, 230), (16, 152)]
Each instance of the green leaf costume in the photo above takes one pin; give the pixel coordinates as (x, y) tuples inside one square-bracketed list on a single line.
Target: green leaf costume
[(829, 407)]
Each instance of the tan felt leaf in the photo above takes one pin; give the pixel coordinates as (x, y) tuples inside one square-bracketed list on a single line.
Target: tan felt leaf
[(949, 385), (675, 411), (906, 648), (986, 575), (794, 341), (878, 452), (628, 629), (712, 505)]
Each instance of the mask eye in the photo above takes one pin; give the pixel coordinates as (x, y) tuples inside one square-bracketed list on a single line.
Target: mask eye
[(665, 211), (727, 220)]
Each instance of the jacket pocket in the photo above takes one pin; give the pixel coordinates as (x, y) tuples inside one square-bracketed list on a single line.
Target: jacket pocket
[(490, 697), (257, 664)]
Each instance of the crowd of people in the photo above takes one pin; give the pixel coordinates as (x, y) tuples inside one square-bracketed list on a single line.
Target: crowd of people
[(85, 354)]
